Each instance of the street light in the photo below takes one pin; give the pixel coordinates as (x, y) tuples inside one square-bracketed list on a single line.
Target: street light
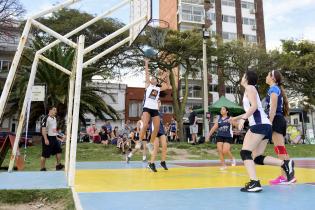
[(206, 35)]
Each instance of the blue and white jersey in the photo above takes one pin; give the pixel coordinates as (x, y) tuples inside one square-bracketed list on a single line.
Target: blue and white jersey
[(274, 89), (151, 97), (225, 128), (259, 116), (173, 126)]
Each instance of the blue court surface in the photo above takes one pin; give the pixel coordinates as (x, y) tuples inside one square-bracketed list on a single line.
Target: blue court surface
[(297, 197), (191, 185)]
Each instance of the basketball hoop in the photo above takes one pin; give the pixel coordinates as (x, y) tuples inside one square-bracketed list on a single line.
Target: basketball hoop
[(157, 30)]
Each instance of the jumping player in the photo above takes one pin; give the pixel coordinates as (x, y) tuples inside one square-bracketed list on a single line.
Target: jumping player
[(150, 105)]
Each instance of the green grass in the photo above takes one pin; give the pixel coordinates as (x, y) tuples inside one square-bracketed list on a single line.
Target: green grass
[(64, 196), (98, 152)]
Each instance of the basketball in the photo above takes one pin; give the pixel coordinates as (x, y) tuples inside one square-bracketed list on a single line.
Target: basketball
[(149, 53)]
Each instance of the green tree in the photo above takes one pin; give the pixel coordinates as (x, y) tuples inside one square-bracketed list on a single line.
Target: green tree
[(57, 86), (297, 63), (236, 57)]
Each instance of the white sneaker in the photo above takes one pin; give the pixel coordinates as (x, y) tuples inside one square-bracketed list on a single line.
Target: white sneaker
[(144, 158), (150, 148), (222, 168), (233, 162)]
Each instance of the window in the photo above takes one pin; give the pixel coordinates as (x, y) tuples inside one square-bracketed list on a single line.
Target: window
[(228, 19), (194, 91), (213, 88), (212, 69), (250, 38), (135, 108), (166, 109), (210, 16), (249, 21), (247, 5), (230, 3), (192, 13), (5, 65), (229, 89), (295, 121), (229, 35)]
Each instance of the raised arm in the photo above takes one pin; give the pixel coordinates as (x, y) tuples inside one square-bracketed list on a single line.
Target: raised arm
[(147, 75)]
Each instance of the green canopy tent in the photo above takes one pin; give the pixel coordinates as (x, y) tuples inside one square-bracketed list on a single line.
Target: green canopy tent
[(215, 108)]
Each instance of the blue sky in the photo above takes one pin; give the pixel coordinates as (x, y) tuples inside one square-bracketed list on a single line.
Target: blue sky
[(284, 19)]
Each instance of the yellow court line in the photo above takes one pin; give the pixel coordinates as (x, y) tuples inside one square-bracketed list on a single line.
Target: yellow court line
[(124, 180)]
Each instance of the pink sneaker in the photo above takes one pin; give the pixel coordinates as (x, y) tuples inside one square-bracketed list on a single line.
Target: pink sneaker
[(279, 180)]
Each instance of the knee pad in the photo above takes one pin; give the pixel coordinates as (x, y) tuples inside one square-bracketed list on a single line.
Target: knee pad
[(259, 160), (280, 150), (246, 155)]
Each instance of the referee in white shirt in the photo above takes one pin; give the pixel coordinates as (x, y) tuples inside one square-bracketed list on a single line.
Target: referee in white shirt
[(50, 144)]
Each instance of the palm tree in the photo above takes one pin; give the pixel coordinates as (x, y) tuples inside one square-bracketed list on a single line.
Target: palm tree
[(57, 86)]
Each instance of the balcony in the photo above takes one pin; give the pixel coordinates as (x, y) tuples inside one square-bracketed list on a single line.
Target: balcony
[(191, 13)]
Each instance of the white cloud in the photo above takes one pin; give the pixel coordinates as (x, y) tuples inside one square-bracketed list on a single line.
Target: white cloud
[(309, 32), (279, 10), (288, 19)]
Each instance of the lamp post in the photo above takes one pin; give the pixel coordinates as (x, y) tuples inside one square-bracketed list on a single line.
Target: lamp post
[(206, 35)]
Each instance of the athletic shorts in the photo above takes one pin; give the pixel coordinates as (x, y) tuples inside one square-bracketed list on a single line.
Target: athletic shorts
[(152, 112), (193, 129), (264, 129), (224, 139), (158, 135), (279, 125), (52, 149)]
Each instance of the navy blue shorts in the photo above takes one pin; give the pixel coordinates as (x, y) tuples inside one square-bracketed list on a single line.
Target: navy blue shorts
[(279, 125), (224, 139), (263, 129), (152, 112)]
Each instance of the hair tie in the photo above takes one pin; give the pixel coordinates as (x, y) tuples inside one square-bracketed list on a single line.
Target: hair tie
[(273, 75)]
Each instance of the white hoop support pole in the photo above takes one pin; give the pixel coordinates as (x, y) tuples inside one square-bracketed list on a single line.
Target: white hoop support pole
[(112, 35), (54, 34), (109, 50), (28, 111), (54, 8), (28, 93), (76, 110), (69, 118), (85, 25), (57, 66), (15, 63)]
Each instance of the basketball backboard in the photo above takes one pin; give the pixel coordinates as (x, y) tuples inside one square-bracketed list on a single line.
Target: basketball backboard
[(139, 9)]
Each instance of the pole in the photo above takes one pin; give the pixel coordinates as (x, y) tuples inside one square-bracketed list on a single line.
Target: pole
[(76, 110), (205, 87), (69, 119), (28, 94), (15, 63)]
